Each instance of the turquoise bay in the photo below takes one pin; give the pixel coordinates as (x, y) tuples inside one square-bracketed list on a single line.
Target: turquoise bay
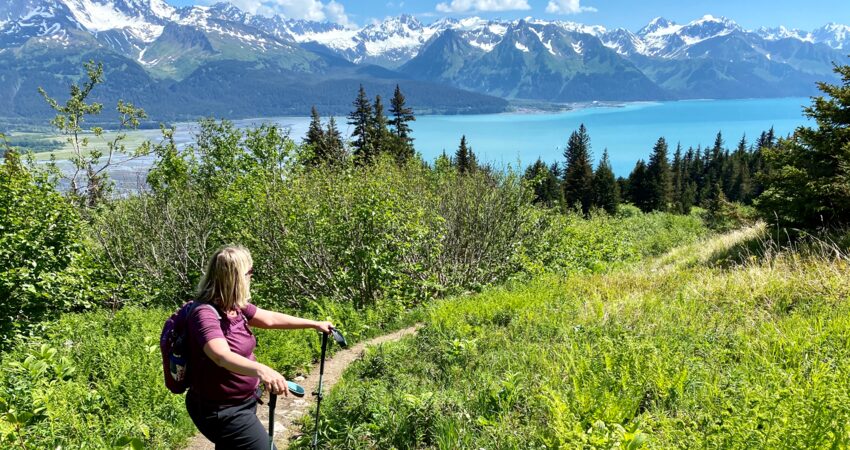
[(628, 131)]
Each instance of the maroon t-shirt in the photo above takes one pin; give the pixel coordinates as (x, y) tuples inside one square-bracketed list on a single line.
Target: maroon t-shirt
[(208, 381)]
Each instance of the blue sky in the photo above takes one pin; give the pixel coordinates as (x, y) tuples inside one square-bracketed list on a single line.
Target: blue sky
[(630, 14)]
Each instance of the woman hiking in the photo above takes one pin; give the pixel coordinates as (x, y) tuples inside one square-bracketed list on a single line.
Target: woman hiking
[(225, 374)]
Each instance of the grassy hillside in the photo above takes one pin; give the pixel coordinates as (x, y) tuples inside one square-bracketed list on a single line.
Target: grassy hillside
[(709, 346)]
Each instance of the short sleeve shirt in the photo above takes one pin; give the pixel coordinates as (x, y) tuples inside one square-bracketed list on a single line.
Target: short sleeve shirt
[(207, 380)]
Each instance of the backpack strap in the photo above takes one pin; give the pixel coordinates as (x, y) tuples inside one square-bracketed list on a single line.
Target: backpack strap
[(215, 310)]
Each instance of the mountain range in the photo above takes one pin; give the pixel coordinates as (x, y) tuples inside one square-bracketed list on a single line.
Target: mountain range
[(182, 63)]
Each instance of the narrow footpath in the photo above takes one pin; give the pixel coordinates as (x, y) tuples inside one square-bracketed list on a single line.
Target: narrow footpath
[(290, 408)]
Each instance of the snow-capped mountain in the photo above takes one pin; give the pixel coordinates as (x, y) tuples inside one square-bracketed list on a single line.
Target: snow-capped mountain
[(132, 25), (219, 50), (665, 39), (834, 35)]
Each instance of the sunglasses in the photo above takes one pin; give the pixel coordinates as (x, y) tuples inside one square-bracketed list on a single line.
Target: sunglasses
[(250, 272)]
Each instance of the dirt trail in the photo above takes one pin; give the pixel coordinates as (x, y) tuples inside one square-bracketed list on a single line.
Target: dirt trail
[(290, 408)]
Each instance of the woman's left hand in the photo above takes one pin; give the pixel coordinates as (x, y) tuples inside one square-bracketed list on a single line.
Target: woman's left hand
[(324, 327)]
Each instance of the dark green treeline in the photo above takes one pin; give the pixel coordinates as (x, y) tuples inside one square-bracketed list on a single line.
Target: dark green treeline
[(664, 182)]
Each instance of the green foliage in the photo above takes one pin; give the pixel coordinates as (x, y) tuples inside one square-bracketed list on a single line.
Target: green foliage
[(89, 182), (400, 116), (659, 178), (578, 172), (361, 119), (545, 184), (806, 181), (487, 219), (606, 191), (91, 380), (464, 159), (684, 358), (42, 267), (356, 236), (568, 244)]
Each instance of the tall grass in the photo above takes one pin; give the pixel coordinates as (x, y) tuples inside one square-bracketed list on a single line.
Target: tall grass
[(705, 355)]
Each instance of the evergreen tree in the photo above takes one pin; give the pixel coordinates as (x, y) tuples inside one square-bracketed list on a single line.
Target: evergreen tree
[(378, 128), (606, 191), (678, 171), (443, 163), (578, 176), (623, 187), (739, 176), (715, 206), (464, 158), (638, 187), (333, 148), (659, 181), (545, 184), (315, 137), (401, 115), (807, 177), (689, 195), (361, 120)]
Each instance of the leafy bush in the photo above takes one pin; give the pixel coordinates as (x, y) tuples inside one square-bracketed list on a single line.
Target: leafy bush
[(805, 181), (42, 269), (566, 244), (88, 381)]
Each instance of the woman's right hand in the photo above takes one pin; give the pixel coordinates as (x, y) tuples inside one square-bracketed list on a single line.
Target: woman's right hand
[(274, 381)]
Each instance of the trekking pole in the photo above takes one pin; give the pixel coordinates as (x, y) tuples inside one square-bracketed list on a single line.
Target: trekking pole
[(272, 404), (318, 392)]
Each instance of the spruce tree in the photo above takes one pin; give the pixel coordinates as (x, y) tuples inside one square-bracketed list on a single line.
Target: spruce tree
[(334, 148), (659, 178), (378, 128), (401, 115), (578, 176), (740, 183), (546, 186), (315, 137), (807, 176), (464, 158), (678, 171), (638, 189), (361, 120), (606, 191)]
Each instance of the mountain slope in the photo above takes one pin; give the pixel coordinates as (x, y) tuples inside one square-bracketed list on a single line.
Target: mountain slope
[(534, 61)]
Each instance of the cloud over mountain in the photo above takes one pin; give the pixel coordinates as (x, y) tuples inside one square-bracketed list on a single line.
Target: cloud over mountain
[(316, 10), (482, 5), (567, 7)]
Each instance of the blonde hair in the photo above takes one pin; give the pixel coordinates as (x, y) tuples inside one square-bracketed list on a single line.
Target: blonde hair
[(225, 282)]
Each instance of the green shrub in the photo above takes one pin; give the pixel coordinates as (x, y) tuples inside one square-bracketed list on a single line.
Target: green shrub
[(42, 268), (88, 381)]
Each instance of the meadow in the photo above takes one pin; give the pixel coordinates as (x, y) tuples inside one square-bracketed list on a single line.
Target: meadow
[(730, 342)]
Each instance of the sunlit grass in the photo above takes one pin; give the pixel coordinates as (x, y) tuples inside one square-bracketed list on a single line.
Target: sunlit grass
[(683, 352)]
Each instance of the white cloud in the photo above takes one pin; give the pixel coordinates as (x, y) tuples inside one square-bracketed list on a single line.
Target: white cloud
[(297, 9), (482, 5), (335, 12), (567, 7)]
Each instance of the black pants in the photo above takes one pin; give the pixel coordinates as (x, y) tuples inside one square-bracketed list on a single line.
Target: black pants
[(229, 428)]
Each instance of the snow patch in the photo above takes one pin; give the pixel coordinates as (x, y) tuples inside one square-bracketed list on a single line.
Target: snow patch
[(486, 46), (548, 46), (521, 47), (162, 9), (97, 17), (578, 47)]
